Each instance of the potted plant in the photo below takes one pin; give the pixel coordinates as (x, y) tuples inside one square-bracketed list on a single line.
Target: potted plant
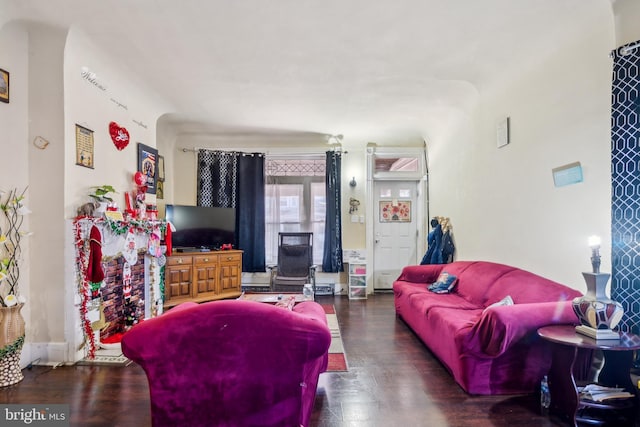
[(101, 195), (11, 302)]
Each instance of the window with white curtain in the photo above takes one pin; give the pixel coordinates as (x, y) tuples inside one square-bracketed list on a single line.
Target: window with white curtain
[(295, 201)]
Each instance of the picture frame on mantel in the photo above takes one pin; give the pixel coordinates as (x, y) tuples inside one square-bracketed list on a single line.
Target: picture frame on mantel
[(4, 86), (148, 165), (160, 190)]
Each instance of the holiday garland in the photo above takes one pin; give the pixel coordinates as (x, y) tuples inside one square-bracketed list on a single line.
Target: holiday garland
[(152, 282), (12, 348), (84, 288), (122, 227)]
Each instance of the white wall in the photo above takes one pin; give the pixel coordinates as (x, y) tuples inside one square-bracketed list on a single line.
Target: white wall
[(14, 138), (46, 185), (114, 94), (125, 101), (13, 116), (502, 202), (626, 14)]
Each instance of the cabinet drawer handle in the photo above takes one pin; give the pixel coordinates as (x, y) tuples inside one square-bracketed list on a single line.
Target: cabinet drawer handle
[(229, 258), (206, 260), (179, 260)]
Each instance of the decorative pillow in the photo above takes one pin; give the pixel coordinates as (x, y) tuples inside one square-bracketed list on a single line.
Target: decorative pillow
[(504, 301), (445, 284)]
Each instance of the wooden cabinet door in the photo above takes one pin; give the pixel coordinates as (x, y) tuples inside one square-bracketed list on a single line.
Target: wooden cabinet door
[(178, 280), (199, 277), (230, 272), (206, 275)]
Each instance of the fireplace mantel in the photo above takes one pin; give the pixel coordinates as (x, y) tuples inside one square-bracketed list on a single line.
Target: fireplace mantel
[(134, 243)]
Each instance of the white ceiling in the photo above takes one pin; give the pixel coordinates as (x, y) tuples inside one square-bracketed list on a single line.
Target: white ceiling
[(371, 70)]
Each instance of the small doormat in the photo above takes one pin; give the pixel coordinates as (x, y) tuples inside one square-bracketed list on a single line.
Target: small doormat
[(106, 357), (337, 357)]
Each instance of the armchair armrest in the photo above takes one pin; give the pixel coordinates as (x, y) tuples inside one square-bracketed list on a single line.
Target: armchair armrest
[(498, 328), (427, 273)]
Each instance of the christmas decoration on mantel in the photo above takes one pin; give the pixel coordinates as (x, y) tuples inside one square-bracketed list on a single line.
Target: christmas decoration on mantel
[(97, 239), (116, 238)]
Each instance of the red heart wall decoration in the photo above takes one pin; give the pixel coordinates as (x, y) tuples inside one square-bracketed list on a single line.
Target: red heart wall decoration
[(119, 135)]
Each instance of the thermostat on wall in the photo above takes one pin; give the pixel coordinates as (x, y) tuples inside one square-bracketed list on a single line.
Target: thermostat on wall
[(567, 174), (502, 132)]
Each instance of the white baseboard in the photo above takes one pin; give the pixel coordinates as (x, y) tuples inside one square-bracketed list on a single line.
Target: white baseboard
[(51, 353)]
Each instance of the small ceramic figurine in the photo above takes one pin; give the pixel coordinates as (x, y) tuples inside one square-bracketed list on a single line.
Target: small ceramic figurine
[(87, 209)]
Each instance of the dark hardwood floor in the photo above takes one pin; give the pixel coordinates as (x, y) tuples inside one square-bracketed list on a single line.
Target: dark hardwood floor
[(393, 380)]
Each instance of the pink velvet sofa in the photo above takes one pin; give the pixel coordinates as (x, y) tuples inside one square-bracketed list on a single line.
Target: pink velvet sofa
[(492, 350), (232, 363)]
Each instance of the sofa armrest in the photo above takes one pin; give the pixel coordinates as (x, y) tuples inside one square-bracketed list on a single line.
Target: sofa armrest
[(182, 306), (427, 273), (500, 327), (311, 310)]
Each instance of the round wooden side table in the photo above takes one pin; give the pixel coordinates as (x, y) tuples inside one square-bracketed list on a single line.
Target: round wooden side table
[(618, 358)]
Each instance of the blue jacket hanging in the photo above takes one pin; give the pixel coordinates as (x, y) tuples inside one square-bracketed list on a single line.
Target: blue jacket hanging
[(434, 240), (447, 248)]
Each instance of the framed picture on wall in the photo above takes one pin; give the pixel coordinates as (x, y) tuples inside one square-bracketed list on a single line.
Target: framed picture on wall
[(395, 211), (160, 168), (84, 147), (160, 191), (148, 165), (4, 86)]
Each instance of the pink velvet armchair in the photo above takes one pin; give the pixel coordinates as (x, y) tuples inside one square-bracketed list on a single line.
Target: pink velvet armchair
[(232, 363)]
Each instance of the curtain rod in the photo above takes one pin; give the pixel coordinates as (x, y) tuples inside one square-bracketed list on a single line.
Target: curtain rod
[(268, 153), (628, 50)]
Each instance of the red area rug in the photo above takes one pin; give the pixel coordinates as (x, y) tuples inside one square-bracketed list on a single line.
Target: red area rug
[(337, 357)]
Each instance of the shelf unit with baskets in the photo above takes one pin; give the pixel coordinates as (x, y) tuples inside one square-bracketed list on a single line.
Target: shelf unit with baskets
[(357, 280)]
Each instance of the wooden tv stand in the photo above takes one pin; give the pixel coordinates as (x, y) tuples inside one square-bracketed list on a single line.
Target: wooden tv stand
[(202, 276)]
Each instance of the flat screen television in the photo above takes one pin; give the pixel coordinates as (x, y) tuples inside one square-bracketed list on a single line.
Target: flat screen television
[(199, 227)]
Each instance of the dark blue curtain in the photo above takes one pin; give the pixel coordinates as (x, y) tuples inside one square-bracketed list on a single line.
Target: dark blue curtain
[(332, 257), (625, 182), (236, 180), (251, 218)]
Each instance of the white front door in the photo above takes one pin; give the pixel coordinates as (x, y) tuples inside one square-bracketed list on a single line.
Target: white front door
[(395, 230)]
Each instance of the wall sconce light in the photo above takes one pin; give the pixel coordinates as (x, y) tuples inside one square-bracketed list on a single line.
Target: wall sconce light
[(353, 182), (335, 139)]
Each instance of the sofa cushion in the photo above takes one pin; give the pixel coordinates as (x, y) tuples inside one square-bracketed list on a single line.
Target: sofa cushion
[(526, 287), (445, 324), (422, 300), (475, 281), (451, 321)]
